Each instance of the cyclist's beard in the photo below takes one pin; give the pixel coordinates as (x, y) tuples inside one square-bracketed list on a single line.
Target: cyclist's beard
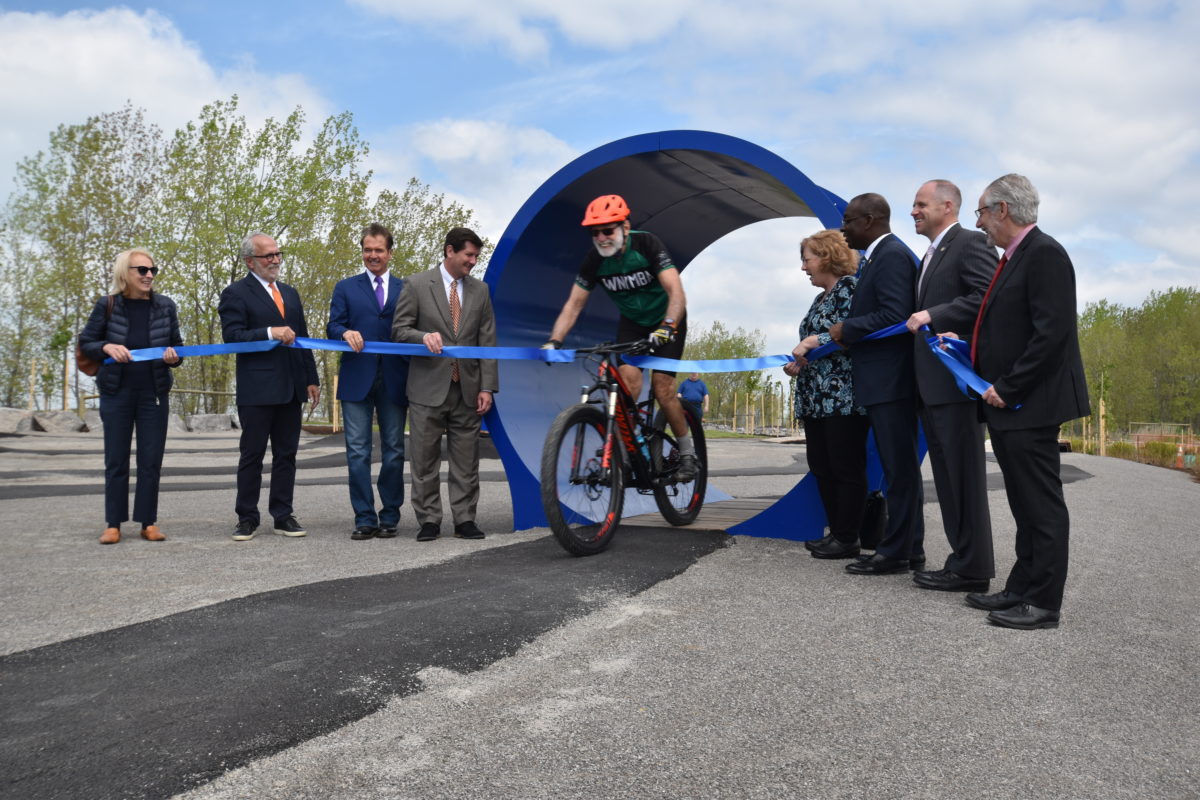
[(612, 246)]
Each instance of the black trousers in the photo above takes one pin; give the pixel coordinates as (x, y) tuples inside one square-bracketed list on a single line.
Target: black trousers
[(895, 427), (955, 438), (122, 413), (280, 425), (836, 449), (1030, 462)]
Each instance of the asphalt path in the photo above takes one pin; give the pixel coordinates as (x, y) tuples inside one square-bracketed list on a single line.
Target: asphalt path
[(221, 686)]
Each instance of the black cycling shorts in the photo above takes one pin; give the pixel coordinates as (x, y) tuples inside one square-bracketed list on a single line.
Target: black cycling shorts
[(629, 331)]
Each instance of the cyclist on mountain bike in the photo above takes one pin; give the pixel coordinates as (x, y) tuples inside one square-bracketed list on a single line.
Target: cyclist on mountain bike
[(638, 274)]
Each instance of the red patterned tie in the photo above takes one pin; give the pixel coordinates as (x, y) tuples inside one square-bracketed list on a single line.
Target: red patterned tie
[(455, 312), (983, 305)]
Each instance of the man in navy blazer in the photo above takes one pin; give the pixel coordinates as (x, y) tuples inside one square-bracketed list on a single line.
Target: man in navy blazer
[(882, 371), (1026, 342), (954, 275), (271, 386), (370, 384)]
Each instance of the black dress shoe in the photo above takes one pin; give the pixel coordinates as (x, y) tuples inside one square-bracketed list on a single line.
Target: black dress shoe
[(1024, 617), (363, 532), (916, 563), (811, 543), (835, 549), (877, 565), (467, 530), (947, 581), (925, 573), (994, 602), (428, 532), (386, 532)]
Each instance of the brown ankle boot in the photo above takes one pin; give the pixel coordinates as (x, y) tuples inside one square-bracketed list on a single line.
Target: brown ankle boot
[(151, 533), (110, 536)]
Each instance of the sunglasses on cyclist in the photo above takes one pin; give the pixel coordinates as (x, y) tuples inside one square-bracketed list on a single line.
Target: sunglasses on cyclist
[(146, 270), (609, 231)]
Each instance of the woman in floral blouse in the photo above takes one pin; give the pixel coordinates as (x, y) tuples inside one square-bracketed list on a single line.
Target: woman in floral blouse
[(835, 429)]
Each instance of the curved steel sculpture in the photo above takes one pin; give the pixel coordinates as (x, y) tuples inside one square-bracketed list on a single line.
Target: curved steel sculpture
[(690, 188)]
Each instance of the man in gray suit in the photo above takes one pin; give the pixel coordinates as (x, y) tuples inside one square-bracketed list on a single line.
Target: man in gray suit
[(447, 307), (954, 275)]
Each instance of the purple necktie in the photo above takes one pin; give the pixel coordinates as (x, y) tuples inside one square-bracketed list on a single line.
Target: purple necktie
[(379, 290)]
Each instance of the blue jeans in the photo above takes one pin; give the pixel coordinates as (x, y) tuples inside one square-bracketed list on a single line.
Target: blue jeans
[(121, 413), (356, 418)]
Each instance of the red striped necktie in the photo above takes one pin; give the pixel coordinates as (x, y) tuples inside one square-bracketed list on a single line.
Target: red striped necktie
[(983, 305)]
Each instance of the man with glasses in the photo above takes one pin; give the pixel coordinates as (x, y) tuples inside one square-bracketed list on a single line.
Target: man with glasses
[(638, 274), (882, 372), (271, 385), (1025, 340)]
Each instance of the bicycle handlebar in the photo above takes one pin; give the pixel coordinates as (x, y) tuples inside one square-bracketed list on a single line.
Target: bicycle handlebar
[(636, 347)]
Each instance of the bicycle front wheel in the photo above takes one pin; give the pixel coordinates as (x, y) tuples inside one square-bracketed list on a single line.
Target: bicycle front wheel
[(679, 503), (581, 497)]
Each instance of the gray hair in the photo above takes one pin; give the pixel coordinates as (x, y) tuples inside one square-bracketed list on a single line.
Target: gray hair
[(945, 190), (246, 251), (1018, 193)]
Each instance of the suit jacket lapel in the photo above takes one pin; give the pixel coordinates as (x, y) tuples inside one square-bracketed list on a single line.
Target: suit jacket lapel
[(935, 261), (439, 297), (367, 282), (395, 286), (1010, 269), (257, 292)]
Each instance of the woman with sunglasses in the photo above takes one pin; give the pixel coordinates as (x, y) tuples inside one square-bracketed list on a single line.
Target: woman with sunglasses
[(133, 394)]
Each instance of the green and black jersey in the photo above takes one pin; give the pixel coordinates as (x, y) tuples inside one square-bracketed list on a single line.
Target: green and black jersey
[(631, 277)]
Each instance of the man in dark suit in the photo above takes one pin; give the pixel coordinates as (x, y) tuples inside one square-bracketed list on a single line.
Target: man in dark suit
[(370, 384), (1026, 342), (445, 307), (954, 275), (882, 371), (271, 385)]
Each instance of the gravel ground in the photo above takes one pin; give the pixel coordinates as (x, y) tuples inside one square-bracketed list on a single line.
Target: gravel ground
[(759, 672)]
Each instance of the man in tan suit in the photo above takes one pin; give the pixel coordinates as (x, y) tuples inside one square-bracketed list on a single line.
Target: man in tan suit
[(446, 307)]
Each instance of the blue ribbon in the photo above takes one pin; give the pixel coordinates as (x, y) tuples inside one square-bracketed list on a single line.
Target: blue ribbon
[(955, 356)]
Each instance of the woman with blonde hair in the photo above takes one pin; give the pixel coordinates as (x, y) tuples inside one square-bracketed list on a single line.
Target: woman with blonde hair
[(133, 395), (835, 428)]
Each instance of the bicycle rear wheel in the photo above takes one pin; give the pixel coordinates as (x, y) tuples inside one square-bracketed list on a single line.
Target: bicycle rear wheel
[(581, 498), (679, 503)]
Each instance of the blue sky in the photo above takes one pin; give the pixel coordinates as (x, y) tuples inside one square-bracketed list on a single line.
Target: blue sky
[(1098, 103)]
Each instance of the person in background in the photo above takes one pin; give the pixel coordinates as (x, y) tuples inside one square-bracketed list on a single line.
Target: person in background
[(133, 395), (835, 426), (695, 391)]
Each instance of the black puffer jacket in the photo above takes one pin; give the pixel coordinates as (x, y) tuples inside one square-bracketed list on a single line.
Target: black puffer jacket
[(99, 331)]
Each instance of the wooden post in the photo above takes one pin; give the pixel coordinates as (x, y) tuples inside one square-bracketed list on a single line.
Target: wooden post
[(1103, 447), (335, 413), (33, 384)]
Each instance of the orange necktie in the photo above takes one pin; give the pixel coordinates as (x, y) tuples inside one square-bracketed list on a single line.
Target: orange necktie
[(278, 297), (455, 311)]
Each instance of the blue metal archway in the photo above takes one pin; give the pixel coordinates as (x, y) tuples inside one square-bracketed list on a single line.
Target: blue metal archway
[(690, 188)]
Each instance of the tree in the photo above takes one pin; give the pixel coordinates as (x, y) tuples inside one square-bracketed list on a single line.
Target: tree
[(718, 342)]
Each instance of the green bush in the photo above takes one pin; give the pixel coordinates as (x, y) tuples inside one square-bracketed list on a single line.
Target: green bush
[(1159, 453), (1122, 450)]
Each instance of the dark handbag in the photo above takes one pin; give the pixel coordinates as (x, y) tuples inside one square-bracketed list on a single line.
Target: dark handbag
[(84, 364), (874, 521)]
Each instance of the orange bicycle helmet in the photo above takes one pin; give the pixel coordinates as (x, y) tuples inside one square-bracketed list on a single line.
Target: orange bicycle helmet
[(606, 209)]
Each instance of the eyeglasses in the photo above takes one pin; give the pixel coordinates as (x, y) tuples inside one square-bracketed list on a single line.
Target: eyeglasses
[(609, 231), (143, 271), (269, 256), (846, 221), (979, 211)]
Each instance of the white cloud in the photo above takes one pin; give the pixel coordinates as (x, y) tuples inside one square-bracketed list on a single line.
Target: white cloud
[(61, 69), (490, 166)]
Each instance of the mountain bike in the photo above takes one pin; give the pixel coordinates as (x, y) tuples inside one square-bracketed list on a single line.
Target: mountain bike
[(610, 442)]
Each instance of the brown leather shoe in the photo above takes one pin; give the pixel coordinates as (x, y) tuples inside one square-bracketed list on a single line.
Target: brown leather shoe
[(151, 533), (110, 536)]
